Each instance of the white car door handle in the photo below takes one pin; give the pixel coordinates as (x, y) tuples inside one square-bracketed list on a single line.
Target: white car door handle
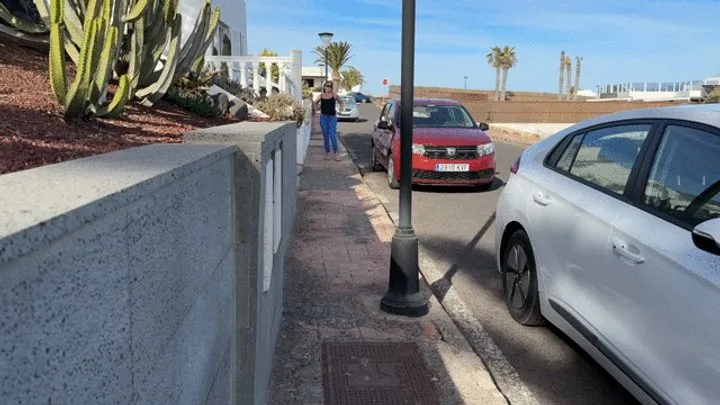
[(621, 248), (542, 198)]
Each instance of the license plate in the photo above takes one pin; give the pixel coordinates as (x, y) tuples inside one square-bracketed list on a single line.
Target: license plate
[(452, 167)]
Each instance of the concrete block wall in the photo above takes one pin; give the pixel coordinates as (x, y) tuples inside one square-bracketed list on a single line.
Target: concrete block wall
[(266, 167), (136, 277)]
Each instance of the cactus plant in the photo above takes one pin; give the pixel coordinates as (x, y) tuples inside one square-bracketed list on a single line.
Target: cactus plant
[(122, 40)]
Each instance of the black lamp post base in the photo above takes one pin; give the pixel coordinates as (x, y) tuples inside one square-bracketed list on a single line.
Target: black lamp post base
[(415, 304), (403, 296)]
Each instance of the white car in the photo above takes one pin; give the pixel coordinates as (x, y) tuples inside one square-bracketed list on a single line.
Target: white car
[(350, 111), (610, 230)]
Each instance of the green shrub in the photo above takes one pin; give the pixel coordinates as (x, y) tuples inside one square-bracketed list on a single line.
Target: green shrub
[(307, 92), (196, 103), (713, 96), (282, 107)]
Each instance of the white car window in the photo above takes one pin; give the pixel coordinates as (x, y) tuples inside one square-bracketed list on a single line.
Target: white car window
[(686, 165), (606, 156)]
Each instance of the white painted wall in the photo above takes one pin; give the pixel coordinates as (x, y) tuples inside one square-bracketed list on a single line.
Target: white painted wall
[(232, 12)]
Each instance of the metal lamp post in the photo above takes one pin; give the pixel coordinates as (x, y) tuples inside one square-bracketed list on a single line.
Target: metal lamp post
[(403, 296), (326, 37)]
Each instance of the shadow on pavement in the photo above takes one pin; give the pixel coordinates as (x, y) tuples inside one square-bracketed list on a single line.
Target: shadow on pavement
[(359, 121)]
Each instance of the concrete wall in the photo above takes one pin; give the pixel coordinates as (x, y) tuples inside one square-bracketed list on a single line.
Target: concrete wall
[(267, 168), (147, 276)]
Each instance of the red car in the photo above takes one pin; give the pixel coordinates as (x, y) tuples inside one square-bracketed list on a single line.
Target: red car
[(449, 147)]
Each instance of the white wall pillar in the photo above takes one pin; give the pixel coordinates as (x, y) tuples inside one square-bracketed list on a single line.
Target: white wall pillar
[(269, 78), (256, 77), (282, 80), (296, 73), (243, 74)]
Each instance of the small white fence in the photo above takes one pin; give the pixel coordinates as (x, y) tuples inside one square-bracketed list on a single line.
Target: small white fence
[(655, 91), (246, 71)]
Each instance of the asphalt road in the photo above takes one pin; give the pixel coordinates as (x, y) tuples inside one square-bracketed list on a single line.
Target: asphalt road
[(456, 227)]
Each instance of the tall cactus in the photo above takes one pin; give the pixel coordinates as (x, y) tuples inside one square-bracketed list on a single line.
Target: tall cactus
[(29, 31), (122, 40)]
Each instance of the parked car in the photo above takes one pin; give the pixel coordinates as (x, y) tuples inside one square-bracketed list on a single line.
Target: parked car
[(362, 98), (449, 146), (349, 111), (610, 230)]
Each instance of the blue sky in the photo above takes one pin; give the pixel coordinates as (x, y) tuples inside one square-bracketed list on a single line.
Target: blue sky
[(619, 40)]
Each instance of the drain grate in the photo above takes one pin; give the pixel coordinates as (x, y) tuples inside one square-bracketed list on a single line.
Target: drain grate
[(382, 373)]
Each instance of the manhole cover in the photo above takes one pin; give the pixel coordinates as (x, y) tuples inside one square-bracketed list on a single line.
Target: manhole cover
[(376, 374)]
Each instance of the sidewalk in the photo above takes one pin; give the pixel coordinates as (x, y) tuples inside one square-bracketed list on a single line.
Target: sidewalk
[(335, 275)]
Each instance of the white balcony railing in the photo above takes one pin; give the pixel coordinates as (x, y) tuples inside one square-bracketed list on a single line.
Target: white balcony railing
[(655, 91), (246, 71)]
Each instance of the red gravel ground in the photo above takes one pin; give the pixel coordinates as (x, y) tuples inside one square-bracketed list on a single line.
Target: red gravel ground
[(33, 132)]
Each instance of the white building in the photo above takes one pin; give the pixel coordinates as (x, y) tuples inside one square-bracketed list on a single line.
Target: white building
[(688, 90), (232, 29), (587, 93), (314, 76)]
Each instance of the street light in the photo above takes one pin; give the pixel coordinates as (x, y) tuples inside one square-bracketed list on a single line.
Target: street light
[(326, 37), (403, 296), (466, 82)]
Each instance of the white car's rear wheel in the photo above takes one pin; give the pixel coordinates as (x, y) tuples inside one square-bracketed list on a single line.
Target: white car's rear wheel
[(520, 283)]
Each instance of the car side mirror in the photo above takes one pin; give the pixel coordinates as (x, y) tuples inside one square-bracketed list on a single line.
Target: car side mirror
[(384, 125), (483, 126), (706, 236)]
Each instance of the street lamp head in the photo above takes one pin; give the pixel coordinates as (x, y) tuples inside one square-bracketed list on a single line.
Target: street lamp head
[(326, 37)]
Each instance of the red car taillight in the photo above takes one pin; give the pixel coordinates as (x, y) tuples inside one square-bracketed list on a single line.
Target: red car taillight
[(515, 166)]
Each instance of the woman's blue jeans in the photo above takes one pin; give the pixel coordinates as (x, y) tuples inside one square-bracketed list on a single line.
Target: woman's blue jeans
[(328, 123)]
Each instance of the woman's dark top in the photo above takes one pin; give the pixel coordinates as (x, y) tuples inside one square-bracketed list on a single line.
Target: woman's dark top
[(327, 106)]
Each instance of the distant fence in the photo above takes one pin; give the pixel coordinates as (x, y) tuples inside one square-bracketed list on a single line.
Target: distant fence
[(528, 107), (550, 111), (473, 95)]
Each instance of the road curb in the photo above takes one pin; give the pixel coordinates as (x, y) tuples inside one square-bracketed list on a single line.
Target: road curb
[(502, 372), (504, 375)]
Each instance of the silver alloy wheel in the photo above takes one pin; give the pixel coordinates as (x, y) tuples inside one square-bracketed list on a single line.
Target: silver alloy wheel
[(517, 274)]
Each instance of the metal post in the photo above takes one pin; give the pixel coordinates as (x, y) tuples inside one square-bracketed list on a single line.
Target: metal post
[(326, 64), (403, 296)]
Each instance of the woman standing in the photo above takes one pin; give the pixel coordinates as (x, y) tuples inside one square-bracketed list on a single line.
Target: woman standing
[(328, 118)]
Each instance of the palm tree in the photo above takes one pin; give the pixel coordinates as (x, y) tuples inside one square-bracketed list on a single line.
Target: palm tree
[(578, 67), (561, 78), (568, 66), (493, 59), (350, 78), (508, 59), (338, 55)]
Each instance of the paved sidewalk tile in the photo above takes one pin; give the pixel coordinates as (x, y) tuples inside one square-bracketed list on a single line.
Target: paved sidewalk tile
[(336, 274)]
